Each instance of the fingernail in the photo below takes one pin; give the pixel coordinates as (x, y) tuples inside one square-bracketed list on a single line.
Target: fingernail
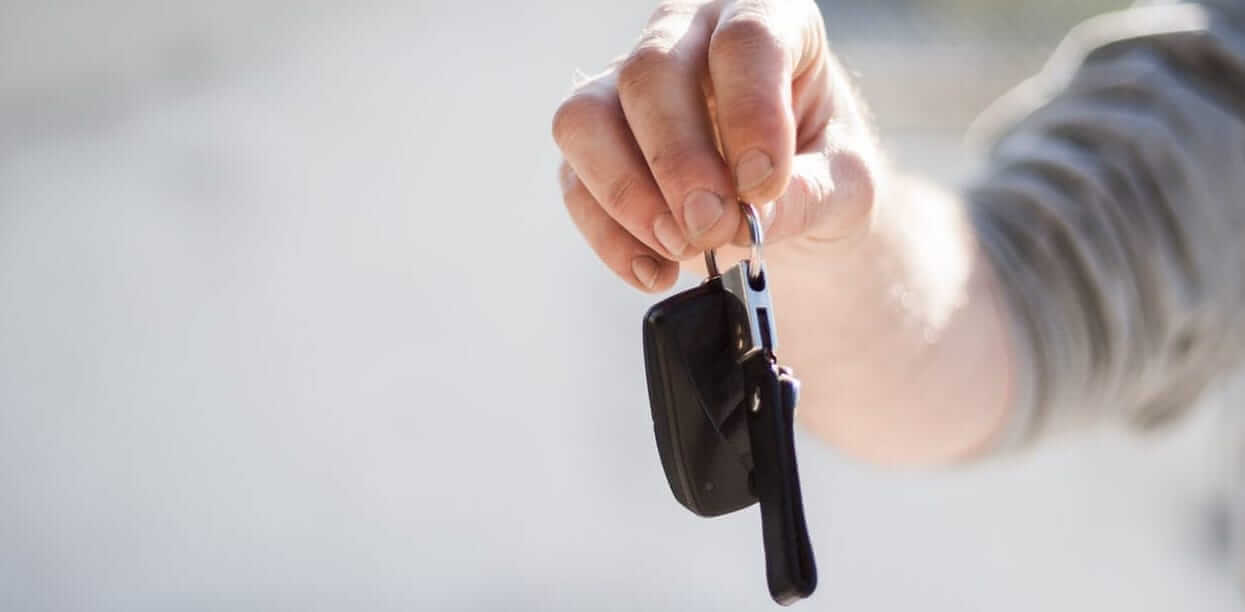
[(753, 168), (645, 270), (701, 210), (669, 235)]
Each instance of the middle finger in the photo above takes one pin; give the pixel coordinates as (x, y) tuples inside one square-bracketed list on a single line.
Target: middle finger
[(660, 88)]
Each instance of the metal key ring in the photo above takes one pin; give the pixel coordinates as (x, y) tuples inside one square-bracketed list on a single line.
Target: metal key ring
[(758, 238), (756, 233)]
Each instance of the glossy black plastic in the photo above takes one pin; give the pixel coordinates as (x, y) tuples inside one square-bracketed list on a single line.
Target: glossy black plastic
[(725, 429), (695, 392)]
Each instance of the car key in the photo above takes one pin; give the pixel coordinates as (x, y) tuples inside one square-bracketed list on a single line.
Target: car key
[(723, 411), (696, 389)]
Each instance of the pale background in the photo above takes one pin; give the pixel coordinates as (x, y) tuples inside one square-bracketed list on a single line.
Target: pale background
[(291, 318)]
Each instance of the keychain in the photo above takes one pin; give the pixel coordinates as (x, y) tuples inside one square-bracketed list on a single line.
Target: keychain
[(724, 410)]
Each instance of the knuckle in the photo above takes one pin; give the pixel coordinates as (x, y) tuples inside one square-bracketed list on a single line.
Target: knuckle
[(577, 114), (619, 195), (746, 35), (668, 9), (675, 162), (649, 59)]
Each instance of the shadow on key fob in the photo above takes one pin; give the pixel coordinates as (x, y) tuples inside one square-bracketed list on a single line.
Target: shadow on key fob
[(706, 452)]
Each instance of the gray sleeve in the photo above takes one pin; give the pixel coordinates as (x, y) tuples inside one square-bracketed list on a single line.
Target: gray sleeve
[(1113, 210)]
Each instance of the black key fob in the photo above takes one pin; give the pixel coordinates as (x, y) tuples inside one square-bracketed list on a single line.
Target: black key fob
[(723, 411), (696, 390)]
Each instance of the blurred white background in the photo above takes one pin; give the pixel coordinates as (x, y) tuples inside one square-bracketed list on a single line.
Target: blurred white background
[(291, 318)]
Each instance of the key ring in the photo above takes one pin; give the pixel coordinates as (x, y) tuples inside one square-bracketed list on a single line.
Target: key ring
[(756, 233)]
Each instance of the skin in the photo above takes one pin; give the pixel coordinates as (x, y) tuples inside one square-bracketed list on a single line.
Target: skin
[(887, 308)]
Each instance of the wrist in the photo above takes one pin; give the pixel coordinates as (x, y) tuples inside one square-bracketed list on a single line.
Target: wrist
[(910, 360)]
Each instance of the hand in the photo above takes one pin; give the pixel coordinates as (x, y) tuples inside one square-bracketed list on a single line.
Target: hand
[(719, 101), (886, 300)]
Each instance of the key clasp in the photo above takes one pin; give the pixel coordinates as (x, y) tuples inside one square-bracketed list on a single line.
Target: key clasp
[(753, 295), (748, 283)]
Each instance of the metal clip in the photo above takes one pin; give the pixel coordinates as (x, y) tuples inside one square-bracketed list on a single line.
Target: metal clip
[(748, 283), (754, 296)]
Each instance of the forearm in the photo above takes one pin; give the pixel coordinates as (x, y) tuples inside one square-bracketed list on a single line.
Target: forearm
[(899, 332), (1100, 280), (1093, 271)]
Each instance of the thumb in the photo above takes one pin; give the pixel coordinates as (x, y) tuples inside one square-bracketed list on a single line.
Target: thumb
[(830, 196)]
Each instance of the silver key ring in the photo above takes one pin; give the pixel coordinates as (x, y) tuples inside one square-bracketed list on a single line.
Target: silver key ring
[(756, 233)]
